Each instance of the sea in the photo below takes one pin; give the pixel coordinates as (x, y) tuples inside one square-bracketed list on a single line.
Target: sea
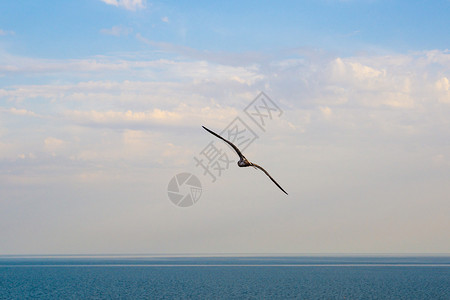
[(225, 277)]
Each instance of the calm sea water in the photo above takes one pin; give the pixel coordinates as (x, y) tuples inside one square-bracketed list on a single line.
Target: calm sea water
[(224, 277)]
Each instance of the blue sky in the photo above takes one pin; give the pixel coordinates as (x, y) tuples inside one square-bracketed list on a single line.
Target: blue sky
[(73, 29), (102, 102)]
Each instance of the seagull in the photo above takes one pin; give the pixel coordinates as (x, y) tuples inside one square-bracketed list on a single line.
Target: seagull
[(244, 162)]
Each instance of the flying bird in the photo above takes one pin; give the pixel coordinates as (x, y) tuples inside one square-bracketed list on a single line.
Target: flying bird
[(244, 162)]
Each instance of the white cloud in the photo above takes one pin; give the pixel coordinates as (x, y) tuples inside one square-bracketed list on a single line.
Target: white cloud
[(165, 19), (348, 70), (182, 115), (224, 58), (127, 4), (443, 88), (6, 32), (18, 112), (31, 66), (397, 81), (215, 92), (53, 144), (26, 156), (114, 117), (357, 134), (160, 69), (326, 111), (117, 31)]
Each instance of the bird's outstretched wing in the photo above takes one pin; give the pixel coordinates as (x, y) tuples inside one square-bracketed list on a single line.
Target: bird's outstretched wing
[(262, 169), (229, 143), (243, 157)]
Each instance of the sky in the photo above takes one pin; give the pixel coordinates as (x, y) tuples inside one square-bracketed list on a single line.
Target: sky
[(102, 103)]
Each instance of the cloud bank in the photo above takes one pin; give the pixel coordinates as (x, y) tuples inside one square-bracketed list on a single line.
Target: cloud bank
[(127, 4), (364, 137)]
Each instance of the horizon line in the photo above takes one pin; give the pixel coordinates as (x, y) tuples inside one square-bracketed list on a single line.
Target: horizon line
[(234, 254)]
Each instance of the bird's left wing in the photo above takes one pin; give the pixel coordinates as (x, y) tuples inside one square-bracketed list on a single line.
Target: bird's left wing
[(228, 142)]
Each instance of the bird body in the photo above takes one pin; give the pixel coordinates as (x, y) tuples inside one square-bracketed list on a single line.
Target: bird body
[(243, 161)]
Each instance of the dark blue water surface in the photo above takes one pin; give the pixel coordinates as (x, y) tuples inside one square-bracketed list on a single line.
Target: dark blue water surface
[(225, 277)]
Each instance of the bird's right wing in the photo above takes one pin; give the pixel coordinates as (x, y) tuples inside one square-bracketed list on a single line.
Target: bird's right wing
[(267, 173), (229, 143)]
